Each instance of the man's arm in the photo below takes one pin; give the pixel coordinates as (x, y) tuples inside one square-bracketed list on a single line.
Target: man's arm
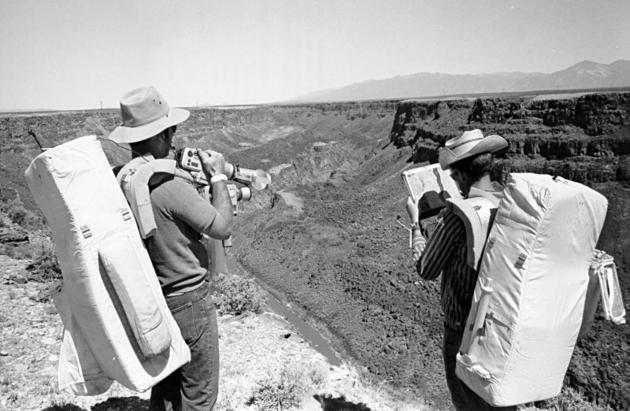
[(439, 249), (221, 227), (214, 167)]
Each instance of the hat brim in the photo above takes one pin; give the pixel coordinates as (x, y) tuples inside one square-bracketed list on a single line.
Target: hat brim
[(489, 144), (123, 134)]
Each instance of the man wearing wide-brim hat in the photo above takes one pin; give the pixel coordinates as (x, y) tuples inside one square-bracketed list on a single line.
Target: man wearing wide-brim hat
[(469, 158), (178, 256)]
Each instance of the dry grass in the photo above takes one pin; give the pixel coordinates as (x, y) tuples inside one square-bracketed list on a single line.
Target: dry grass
[(265, 365), (274, 368)]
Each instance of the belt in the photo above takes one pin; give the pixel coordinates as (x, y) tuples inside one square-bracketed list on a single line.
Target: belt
[(197, 287)]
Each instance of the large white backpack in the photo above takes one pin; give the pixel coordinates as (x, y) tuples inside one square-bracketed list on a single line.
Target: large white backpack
[(529, 299), (117, 325)]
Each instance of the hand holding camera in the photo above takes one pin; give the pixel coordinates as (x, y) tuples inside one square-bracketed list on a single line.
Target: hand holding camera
[(213, 162)]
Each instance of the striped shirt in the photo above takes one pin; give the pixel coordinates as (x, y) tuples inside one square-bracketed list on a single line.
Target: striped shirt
[(445, 254)]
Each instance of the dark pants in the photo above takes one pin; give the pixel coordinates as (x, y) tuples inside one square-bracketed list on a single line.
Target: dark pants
[(464, 399), (195, 385)]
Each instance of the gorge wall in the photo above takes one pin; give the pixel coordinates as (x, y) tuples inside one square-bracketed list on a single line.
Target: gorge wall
[(584, 139), (324, 235), (226, 130)]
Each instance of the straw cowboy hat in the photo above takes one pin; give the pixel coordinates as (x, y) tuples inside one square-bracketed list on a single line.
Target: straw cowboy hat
[(467, 145), (145, 114)]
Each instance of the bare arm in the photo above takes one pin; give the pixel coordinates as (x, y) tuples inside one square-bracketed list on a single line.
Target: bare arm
[(214, 167), (221, 227)]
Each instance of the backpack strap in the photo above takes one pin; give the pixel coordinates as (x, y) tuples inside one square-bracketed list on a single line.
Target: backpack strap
[(477, 213), (134, 180)]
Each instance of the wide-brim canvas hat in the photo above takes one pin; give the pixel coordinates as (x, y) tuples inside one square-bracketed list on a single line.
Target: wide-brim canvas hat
[(469, 144), (145, 114)]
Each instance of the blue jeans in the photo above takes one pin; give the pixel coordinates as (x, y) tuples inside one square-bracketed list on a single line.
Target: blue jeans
[(195, 385), (464, 399)]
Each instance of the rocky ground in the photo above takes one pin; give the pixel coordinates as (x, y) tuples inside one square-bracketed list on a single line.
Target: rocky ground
[(325, 236), (257, 352), (342, 256)]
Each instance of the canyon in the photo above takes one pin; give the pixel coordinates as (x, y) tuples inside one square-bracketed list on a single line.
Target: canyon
[(324, 237)]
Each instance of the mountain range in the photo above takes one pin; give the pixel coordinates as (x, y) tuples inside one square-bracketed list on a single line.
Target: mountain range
[(583, 75)]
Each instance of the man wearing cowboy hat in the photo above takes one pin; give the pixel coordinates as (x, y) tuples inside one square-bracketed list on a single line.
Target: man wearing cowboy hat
[(178, 255), (470, 159)]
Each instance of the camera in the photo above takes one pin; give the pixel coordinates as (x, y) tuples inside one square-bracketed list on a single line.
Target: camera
[(188, 159)]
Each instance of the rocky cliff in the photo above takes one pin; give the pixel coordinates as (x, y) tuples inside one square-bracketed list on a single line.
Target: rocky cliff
[(324, 235), (583, 138), (226, 130)]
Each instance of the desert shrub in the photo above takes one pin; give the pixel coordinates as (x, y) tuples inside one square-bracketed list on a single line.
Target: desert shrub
[(315, 375), (5, 221), (44, 265), (237, 295), (18, 214), (285, 390), (13, 239), (15, 251)]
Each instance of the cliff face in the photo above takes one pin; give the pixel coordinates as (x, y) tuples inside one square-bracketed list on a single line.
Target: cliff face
[(585, 139), (582, 138), (324, 234), (226, 130)]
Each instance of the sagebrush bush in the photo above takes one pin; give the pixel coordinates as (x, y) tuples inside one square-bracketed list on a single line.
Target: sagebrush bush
[(44, 265), (236, 295), (18, 214), (285, 390), (15, 251), (4, 220)]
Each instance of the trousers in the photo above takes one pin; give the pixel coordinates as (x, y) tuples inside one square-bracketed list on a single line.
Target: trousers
[(464, 399), (195, 385)]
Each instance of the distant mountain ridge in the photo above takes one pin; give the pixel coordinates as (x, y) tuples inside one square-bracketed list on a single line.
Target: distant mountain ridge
[(583, 75)]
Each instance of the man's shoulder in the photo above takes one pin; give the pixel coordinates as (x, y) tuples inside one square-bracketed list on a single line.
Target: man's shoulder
[(450, 222), (172, 189), (165, 181)]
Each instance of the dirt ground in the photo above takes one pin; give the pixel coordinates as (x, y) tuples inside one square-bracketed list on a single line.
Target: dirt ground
[(254, 349), (342, 258), (345, 260), (325, 234)]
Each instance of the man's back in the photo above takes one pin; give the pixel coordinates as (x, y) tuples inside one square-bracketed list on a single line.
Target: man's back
[(178, 255), (446, 254)]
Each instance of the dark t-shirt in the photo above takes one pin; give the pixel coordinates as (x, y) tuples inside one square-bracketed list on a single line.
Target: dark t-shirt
[(179, 256)]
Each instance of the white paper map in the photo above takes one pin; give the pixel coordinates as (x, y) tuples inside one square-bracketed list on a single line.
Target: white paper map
[(419, 180)]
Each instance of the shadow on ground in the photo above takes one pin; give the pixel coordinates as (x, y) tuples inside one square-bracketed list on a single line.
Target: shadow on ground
[(112, 404)]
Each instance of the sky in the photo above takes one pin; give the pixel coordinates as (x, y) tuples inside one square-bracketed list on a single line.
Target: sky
[(79, 54)]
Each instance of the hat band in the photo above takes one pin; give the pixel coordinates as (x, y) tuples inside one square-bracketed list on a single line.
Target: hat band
[(138, 122)]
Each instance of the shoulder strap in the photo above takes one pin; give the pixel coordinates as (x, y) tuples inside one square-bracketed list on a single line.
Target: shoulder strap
[(477, 214), (134, 180)]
